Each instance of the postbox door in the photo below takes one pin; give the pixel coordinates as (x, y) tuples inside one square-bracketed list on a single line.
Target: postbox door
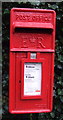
[(33, 102)]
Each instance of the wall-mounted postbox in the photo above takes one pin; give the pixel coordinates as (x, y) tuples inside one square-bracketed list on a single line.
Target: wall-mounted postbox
[(32, 47)]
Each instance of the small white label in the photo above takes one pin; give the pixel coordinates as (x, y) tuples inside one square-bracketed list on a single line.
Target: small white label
[(32, 79), (33, 55)]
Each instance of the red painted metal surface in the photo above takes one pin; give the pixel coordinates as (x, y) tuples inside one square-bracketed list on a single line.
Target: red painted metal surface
[(31, 31)]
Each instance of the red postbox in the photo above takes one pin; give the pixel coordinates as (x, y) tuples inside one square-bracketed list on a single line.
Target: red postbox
[(32, 47)]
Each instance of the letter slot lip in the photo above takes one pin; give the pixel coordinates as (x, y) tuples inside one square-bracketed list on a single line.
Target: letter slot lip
[(32, 25)]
